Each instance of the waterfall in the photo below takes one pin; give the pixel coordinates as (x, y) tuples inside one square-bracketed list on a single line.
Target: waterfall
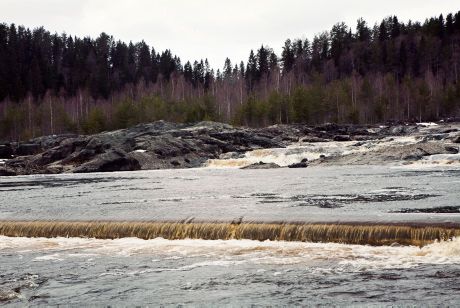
[(363, 234)]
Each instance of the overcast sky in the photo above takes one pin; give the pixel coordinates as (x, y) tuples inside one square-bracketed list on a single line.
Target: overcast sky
[(213, 29)]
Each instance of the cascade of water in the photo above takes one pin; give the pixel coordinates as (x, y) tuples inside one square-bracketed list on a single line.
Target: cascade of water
[(371, 234)]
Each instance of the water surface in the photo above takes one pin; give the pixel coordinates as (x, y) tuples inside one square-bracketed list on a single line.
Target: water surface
[(38, 271)]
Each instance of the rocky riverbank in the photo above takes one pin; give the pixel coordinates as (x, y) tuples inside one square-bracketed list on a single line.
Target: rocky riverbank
[(164, 145)]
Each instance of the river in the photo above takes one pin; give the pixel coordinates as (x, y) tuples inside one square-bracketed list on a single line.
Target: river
[(52, 271)]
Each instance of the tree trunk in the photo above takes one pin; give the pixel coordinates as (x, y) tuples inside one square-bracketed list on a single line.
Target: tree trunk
[(51, 116)]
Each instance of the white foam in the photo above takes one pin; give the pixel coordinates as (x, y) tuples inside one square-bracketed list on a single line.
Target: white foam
[(234, 252), (435, 161), (311, 151), (53, 257), (443, 157), (426, 124)]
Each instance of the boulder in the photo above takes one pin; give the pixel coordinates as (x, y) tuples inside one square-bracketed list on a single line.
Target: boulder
[(302, 164), (313, 139), (114, 160), (451, 150), (450, 130), (435, 137), (398, 130), (342, 138), (362, 138), (418, 154), (54, 169), (456, 139), (80, 156), (54, 154), (328, 127), (262, 165)]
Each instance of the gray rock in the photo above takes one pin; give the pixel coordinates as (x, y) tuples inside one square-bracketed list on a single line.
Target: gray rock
[(313, 139), (456, 139), (164, 145), (54, 154), (435, 137), (114, 160), (418, 154), (451, 150), (362, 138), (262, 165), (79, 156), (342, 138), (299, 165), (397, 130)]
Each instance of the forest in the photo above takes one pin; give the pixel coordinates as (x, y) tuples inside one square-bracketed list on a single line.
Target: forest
[(391, 71)]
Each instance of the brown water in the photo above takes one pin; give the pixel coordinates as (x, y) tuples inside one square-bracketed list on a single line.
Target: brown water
[(371, 234)]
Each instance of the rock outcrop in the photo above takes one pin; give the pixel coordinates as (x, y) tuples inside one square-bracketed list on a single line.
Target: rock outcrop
[(164, 145), (158, 145)]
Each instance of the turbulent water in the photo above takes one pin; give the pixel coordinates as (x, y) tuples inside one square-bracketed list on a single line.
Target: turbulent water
[(41, 271), (236, 272)]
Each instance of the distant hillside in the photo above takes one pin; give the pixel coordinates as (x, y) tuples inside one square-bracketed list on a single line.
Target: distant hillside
[(51, 83)]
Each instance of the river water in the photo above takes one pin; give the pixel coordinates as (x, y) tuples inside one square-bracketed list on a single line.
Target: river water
[(39, 271)]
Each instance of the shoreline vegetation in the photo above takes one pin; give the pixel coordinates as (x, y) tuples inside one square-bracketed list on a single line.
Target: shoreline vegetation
[(53, 84)]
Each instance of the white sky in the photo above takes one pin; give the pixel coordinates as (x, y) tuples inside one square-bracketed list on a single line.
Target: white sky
[(213, 29)]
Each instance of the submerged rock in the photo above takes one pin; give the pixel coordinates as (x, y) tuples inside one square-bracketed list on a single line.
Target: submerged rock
[(299, 165), (442, 209), (302, 164), (262, 165)]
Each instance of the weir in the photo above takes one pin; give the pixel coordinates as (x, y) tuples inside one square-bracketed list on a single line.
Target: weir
[(362, 234)]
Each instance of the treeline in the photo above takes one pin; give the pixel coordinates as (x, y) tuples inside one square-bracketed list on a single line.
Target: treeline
[(51, 83)]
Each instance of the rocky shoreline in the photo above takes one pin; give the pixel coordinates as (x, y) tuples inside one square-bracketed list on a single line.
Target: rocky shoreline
[(164, 145)]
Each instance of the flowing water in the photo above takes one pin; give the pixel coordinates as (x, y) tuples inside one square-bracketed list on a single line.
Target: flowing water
[(406, 207)]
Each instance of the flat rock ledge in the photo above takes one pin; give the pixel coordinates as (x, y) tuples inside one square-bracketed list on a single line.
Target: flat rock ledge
[(165, 145)]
